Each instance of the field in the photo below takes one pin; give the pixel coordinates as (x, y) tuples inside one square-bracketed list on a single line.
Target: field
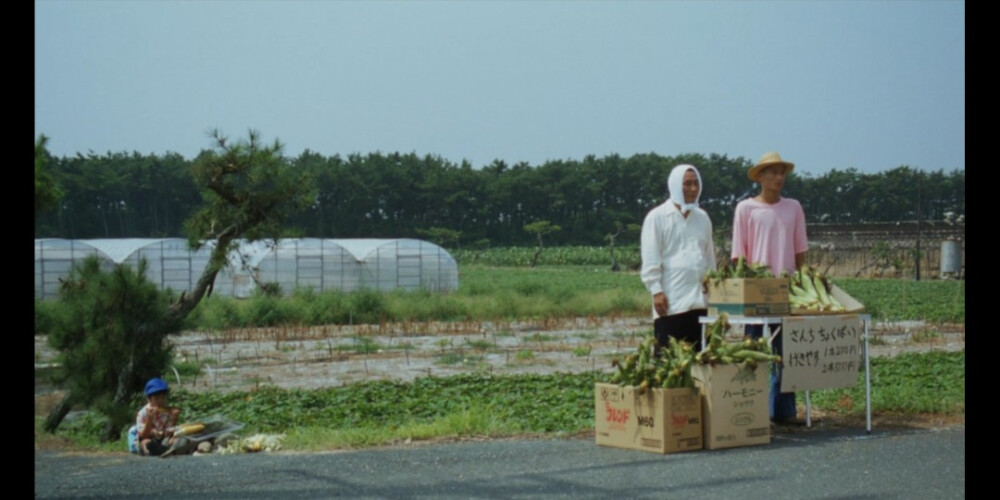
[(502, 321), (571, 322)]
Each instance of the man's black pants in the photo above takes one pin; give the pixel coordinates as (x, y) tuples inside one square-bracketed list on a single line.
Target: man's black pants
[(683, 326)]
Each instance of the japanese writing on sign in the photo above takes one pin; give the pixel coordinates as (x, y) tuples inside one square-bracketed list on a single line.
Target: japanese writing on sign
[(820, 352)]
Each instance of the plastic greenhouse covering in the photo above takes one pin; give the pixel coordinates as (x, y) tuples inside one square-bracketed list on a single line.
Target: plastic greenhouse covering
[(320, 264)]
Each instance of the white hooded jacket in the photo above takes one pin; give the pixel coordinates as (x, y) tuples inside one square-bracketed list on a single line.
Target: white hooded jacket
[(677, 251)]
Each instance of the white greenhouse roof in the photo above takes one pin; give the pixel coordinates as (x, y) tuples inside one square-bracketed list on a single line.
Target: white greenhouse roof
[(362, 248), (322, 263), (119, 249)]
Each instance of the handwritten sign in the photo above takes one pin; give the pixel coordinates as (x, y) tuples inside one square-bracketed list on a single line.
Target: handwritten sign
[(820, 352)]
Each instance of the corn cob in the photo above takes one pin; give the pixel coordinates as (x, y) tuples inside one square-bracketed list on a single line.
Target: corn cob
[(810, 290), (749, 351), (746, 354), (739, 269), (189, 429), (644, 371)]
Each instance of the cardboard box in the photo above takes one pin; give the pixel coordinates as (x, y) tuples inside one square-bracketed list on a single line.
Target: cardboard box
[(735, 407), (659, 421), (850, 303), (750, 296)]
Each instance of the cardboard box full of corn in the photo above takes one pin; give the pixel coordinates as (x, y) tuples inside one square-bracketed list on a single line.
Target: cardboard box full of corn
[(654, 420)]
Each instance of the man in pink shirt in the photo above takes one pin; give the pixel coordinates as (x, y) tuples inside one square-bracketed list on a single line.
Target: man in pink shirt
[(770, 229)]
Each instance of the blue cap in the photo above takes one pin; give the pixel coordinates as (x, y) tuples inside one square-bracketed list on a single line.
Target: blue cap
[(156, 385)]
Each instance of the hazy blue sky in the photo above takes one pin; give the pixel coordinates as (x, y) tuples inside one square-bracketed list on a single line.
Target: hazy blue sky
[(871, 85)]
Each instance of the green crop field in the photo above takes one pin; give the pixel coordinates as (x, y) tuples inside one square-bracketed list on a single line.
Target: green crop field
[(379, 412)]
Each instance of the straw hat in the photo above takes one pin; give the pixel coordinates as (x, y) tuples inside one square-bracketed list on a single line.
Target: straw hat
[(766, 160)]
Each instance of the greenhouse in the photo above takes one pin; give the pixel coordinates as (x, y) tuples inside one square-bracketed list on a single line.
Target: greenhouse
[(347, 265), (170, 264), (54, 258), (406, 264), (319, 264)]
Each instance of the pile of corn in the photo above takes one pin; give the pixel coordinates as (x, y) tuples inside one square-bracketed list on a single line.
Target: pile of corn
[(672, 368), (740, 269), (644, 369), (749, 351), (809, 289)]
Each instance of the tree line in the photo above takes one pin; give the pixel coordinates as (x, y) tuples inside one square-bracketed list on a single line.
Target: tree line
[(395, 195)]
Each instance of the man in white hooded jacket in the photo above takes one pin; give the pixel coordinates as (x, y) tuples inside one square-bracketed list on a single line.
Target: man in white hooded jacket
[(677, 251)]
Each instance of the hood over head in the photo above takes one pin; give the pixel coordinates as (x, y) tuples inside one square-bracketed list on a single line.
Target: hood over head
[(675, 186)]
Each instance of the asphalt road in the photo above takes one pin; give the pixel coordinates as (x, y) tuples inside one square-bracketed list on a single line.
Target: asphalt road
[(838, 464)]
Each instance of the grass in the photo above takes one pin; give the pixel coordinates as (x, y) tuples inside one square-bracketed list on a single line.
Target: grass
[(450, 358), (385, 412), (373, 413), (931, 382), (485, 294), (363, 345), (934, 301), (470, 422), (524, 355), (479, 344), (188, 368), (505, 294), (926, 335), (80, 434), (539, 337)]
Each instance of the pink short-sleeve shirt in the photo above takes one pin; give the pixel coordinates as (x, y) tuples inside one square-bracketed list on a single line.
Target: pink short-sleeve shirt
[(769, 234)]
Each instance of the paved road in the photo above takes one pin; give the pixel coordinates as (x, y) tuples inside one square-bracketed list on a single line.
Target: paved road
[(890, 464)]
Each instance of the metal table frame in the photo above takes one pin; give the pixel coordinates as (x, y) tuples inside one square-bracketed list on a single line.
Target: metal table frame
[(866, 321)]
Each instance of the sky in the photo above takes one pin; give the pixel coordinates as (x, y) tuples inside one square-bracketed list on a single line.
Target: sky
[(869, 85)]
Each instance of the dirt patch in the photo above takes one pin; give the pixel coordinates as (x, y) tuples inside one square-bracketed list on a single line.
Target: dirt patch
[(332, 355), (46, 401), (821, 420)]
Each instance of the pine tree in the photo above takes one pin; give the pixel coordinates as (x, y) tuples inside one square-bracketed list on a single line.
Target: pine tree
[(114, 338), (110, 339)]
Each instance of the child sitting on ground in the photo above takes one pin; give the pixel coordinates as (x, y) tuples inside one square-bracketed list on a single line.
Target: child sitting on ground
[(154, 423)]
